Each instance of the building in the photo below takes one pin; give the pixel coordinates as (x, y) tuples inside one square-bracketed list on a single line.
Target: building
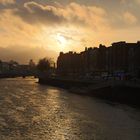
[(119, 59)]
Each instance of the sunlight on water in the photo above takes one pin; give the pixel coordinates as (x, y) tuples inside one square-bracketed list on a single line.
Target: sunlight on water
[(32, 111)]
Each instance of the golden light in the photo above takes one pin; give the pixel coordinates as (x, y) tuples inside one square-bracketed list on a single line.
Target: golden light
[(56, 39), (62, 42), (61, 39)]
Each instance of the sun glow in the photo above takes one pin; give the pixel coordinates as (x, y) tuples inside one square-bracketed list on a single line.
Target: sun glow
[(62, 42), (61, 39)]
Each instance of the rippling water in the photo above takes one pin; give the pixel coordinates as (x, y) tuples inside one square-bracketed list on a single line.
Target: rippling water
[(29, 111)]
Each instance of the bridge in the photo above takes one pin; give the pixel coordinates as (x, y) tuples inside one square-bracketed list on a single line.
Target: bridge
[(18, 74)]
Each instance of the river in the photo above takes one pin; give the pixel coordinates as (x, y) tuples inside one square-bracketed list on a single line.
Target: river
[(29, 111)]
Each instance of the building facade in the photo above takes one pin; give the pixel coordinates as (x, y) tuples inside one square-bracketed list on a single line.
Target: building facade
[(119, 58)]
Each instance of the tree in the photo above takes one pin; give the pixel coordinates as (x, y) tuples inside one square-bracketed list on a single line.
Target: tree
[(44, 65), (31, 63)]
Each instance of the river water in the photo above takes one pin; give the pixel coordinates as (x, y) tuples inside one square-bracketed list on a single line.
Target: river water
[(29, 111)]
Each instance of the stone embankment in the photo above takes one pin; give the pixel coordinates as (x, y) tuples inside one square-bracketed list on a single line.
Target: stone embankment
[(126, 92)]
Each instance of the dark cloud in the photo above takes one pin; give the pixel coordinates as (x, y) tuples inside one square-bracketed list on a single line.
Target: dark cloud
[(7, 4), (33, 13)]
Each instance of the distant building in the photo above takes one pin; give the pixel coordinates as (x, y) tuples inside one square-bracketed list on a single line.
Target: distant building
[(120, 58), (4, 67), (13, 67)]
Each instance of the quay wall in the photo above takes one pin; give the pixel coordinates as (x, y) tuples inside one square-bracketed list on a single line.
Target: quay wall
[(116, 93)]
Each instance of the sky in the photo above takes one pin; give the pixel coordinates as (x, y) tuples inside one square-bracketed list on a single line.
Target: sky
[(33, 29)]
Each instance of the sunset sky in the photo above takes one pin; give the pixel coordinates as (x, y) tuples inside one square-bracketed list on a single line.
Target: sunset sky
[(38, 28)]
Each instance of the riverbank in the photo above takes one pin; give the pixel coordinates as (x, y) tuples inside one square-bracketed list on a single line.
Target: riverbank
[(5, 75), (124, 92)]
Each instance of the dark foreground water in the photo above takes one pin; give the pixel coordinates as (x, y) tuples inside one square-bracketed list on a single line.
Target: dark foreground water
[(29, 111)]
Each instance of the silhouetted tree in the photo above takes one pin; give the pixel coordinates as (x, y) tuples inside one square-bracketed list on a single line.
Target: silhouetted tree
[(31, 63), (0, 65), (44, 65), (12, 62)]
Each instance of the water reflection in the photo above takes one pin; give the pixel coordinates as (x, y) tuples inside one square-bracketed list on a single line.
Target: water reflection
[(32, 111)]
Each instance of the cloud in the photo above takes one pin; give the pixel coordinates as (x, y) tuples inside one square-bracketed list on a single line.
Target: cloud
[(73, 13), (15, 30), (5, 2), (129, 18), (137, 1), (91, 16), (34, 13)]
